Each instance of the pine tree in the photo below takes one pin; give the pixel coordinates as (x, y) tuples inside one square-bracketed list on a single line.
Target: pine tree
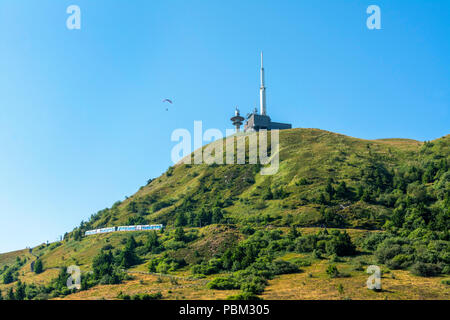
[(217, 215), (153, 245), (293, 233), (181, 220), (341, 191), (322, 199), (20, 291), (10, 294), (179, 234), (268, 195), (38, 267), (329, 190), (8, 277), (128, 256)]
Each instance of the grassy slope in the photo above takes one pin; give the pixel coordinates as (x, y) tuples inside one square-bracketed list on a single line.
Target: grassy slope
[(313, 154), (304, 153)]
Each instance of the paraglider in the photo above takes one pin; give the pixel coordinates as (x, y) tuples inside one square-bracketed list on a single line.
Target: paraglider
[(169, 101)]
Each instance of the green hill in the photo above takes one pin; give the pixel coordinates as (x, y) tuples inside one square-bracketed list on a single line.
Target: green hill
[(336, 201)]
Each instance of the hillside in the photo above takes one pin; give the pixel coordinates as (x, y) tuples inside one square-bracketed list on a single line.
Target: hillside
[(336, 205)]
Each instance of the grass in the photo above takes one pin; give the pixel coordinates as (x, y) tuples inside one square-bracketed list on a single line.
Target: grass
[(311, 154), (308, 158), (184, 289), (301, 286)]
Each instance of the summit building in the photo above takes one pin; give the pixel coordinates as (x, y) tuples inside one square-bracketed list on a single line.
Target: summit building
[(257, 121)]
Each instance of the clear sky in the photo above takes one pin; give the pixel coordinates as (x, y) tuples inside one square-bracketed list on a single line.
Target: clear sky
[(82, 123)]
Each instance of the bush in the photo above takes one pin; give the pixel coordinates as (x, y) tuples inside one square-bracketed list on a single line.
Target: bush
[(248, 230), (300, 262), (153, 296), (371, 241), (213, 266), (165, 264), (283, 267), (426, 269), (400, 261), (332, 271), (316, 254), (222, 283), (253, 286), (123, 296), (107, 247), (341, 245), (141, 296), (244, 296), (305, 243), (387, 250)]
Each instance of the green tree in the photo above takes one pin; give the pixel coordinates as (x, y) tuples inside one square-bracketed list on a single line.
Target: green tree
[(38, 267), (103, 264), (332, 271), (181, 220), (342, 190), (8, 277), (128, 255), (268, 195), (217, 215), (341, 245), (153, 244), (322, 199), (77, 235), (10, 295), (179, 234), (329, 190), (293, 233), (20, 291)]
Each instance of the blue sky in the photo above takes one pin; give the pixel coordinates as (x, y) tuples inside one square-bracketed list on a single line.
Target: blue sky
[(82, 123)]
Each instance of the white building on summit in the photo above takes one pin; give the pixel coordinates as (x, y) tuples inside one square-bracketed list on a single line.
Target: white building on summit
[(255, 121)]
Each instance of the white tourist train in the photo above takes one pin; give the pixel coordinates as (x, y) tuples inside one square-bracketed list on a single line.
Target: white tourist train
[(124, 228)]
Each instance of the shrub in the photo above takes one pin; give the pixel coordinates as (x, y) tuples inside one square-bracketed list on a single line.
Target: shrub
[(426, 269), (248, 230), (332, 271), (400, 261), (387, 250), (222, 283), (244, 296), (152, 296), (107, 247), (254, 285), (371, 241), (341, 245), (300, 262), (305, 243), (213, 266), (283, 267)]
